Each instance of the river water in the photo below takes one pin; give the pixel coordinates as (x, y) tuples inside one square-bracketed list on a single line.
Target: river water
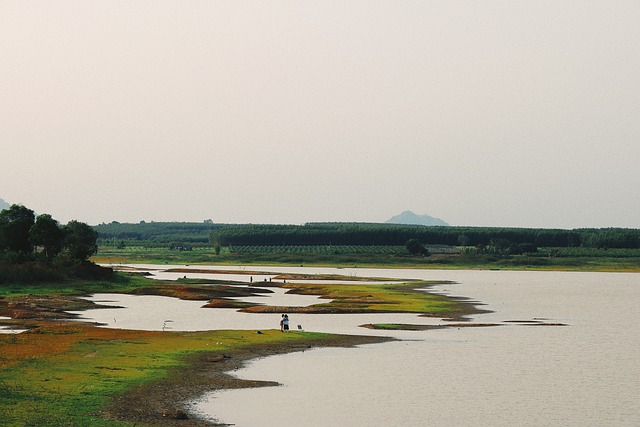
[(523, 372)]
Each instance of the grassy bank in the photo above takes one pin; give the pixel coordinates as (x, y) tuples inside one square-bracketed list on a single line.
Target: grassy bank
[(68, 374), (569, 259), (64, 373)]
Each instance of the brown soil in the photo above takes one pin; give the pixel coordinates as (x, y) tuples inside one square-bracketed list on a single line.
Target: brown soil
[(163, 402), (283, 276), (413, 327), (534, 323), (43, 307), (300, 276)]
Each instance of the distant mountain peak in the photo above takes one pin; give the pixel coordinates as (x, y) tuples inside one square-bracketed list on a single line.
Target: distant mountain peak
[(410, 218), (4, 205)]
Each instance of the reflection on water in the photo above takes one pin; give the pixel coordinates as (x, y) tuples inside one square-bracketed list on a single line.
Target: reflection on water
[(583, 374), (280, 297), (254, 275), (7, 329), (164, 313), (148, 312)]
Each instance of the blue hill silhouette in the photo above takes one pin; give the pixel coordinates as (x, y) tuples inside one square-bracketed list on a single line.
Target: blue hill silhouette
[(409, 218)]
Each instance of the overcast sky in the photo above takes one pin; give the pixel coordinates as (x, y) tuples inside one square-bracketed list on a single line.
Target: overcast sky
[(482, 113)]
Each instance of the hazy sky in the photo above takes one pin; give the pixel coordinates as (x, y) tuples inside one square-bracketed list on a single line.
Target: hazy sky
[(484, 113)]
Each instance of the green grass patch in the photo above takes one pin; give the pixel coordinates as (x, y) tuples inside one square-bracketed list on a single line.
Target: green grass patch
[(373, 298), (67, 374), (570, 259), (387, 326), (391, 298), (121, 283)]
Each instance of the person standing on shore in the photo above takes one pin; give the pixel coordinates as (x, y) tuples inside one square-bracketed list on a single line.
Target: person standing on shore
[(285, 323)]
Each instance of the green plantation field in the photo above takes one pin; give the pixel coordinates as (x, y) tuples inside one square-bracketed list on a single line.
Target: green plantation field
[(592, 252)]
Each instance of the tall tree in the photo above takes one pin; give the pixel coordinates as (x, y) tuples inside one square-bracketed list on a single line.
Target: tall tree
[(15, 224), (46, 232), (80, 240)]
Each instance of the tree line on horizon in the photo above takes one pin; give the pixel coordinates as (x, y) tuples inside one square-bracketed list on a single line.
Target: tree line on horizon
[(395, 234), (38, 247), (364, 234)]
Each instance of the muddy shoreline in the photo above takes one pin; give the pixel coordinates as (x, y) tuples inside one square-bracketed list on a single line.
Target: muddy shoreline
[(166, 402)]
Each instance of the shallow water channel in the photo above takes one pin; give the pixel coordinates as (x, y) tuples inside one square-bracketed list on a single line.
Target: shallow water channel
[(522, 372)]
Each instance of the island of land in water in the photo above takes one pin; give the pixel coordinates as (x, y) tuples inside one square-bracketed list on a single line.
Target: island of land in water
[(74, 373)]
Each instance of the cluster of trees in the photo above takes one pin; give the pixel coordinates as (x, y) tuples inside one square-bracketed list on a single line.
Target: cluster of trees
[(161, 233), (25, 237), (416, 248)]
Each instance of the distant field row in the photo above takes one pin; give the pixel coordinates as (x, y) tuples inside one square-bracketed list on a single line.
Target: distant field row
[(336, 249), (590, 252), (290, 249), (391, 250)]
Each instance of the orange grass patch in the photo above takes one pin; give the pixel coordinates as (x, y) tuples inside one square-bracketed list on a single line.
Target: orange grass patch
[(71, 371), (50, 339)]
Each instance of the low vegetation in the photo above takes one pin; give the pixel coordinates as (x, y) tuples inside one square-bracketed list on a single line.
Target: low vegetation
[(582, 259), (77, 375), (62, 373)]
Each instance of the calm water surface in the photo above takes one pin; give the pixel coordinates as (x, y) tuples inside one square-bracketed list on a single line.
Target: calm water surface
[(585, 373), (8, 330)]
